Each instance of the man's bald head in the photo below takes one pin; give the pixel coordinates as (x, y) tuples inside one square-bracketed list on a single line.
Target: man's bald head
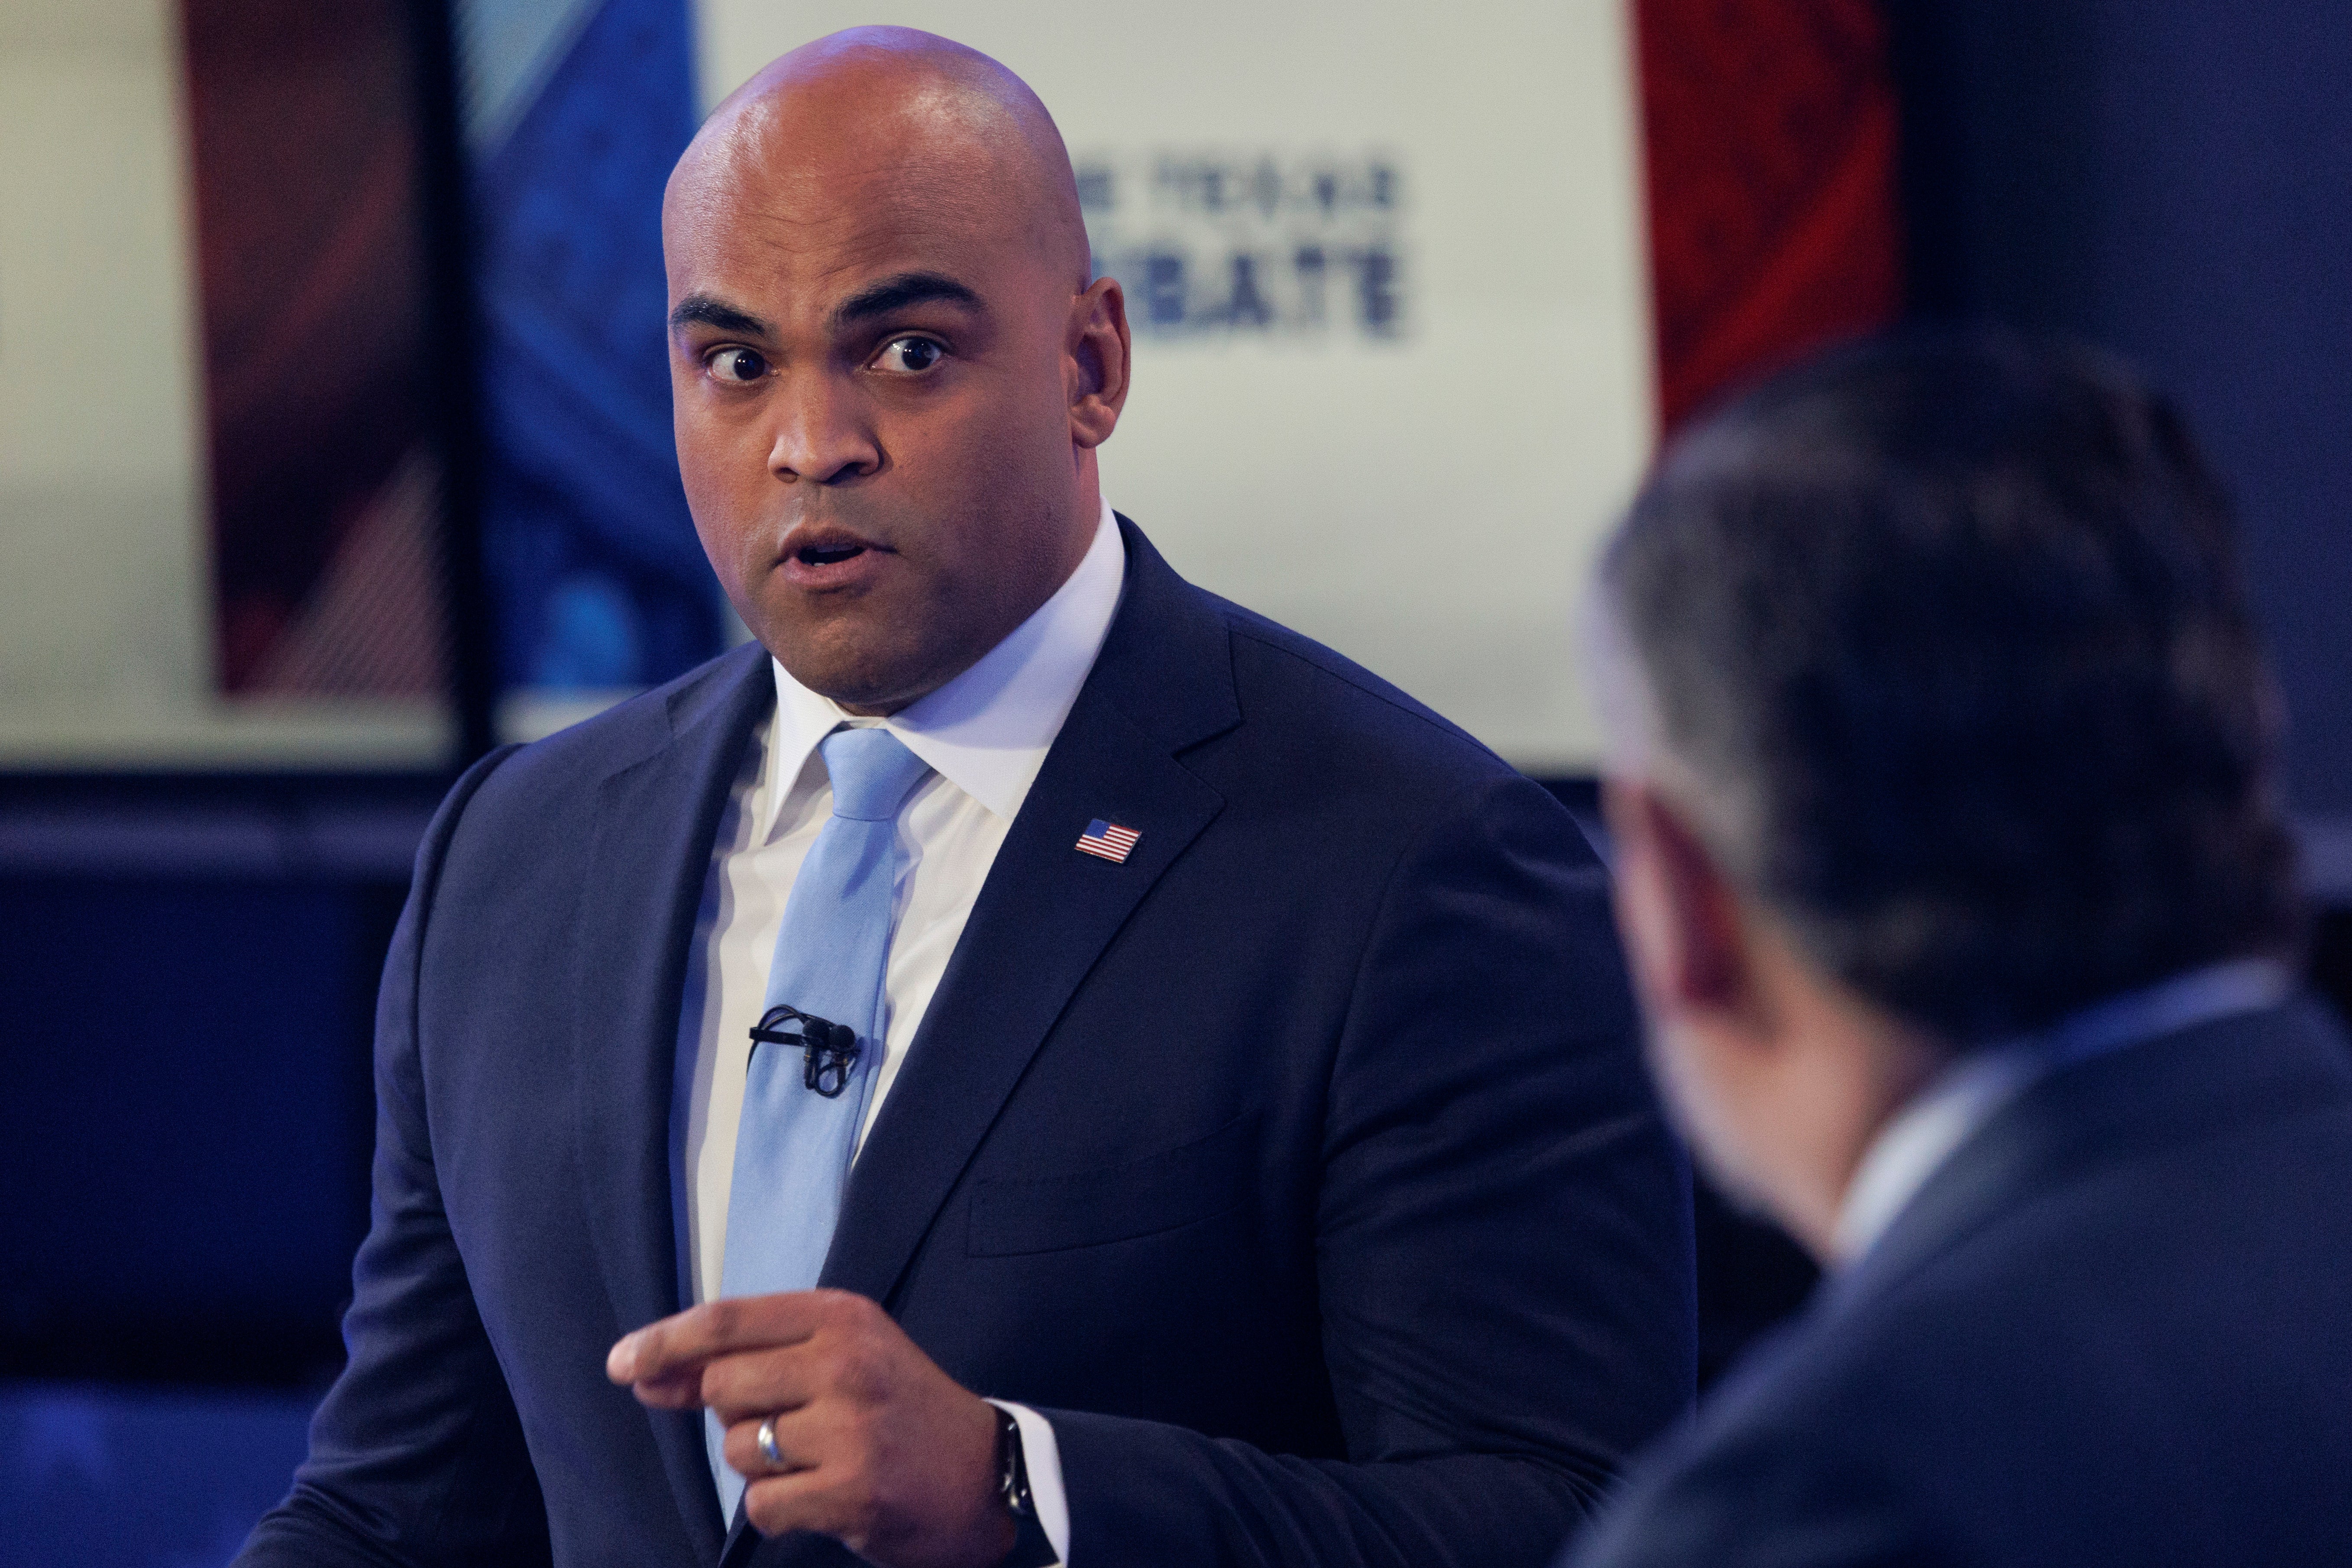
[(889, 363), (957, 129)]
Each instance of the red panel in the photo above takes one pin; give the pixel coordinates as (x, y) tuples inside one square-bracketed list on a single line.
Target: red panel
[(302, 132), (1773, 219)]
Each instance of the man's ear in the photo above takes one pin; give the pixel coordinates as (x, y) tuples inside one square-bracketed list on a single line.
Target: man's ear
[(1681, 918), (1096, 361)]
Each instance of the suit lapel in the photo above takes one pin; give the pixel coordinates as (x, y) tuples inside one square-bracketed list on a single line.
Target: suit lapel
[(657, 818), (1163, 681)]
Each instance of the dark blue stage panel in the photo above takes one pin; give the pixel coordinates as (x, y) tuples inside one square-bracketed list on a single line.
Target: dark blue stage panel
[(139, 1479), (188, 1123)]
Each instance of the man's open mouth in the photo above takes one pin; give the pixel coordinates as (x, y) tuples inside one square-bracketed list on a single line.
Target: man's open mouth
[(824, 556)]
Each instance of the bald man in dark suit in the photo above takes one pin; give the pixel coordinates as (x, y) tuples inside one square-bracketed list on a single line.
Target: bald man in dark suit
[(1029, 1061)]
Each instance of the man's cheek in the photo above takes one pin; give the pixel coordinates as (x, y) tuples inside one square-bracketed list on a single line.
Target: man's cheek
[(721, 546)]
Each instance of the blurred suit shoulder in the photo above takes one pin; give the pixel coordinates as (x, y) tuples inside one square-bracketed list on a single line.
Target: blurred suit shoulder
[(2112, 1328)]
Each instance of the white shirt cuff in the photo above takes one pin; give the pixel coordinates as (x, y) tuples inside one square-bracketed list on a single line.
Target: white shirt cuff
[(1042, 1455)]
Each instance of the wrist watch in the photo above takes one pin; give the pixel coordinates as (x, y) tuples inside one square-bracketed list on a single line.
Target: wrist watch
[(1031, 1549)]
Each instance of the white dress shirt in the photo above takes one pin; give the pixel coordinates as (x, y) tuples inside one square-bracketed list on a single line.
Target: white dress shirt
[(985, 734), (1933, 1124)]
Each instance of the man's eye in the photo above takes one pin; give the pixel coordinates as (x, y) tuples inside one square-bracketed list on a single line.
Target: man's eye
[(912, 355), (737, 365)]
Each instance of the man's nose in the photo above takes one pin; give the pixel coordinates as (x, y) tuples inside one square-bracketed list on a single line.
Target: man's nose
[(822, 433)]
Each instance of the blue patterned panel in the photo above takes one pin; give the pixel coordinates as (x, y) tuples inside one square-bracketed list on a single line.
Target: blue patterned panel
[(596, 578)]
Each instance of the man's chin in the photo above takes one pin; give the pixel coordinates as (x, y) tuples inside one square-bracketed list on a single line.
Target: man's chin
[(861, 681)]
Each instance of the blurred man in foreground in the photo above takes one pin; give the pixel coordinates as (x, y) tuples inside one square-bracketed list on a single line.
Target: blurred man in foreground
[(1019, 975), (1962, 913)]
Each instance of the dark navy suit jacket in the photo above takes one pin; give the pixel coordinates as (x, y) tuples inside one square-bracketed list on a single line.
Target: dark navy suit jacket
[(2115, 1328), (1301, 1169)]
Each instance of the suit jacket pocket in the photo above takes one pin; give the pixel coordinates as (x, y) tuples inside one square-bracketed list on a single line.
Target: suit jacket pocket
[(1195, 1181)]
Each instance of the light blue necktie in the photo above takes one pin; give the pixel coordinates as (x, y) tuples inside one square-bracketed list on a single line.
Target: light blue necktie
[(793, 1143)]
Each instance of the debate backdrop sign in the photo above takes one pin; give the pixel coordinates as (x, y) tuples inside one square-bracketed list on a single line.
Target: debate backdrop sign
[(1407, 287)]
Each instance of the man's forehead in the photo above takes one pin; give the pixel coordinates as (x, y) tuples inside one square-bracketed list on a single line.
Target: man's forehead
[(861, 160), (825, 171), (799, 146), (798, 259), (829, 197), (801, 246)]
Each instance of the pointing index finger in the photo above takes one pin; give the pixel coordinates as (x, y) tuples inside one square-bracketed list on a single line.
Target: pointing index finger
[(679, 1345)]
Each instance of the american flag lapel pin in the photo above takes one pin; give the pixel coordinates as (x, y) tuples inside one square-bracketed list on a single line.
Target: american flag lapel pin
[(1107, 840)]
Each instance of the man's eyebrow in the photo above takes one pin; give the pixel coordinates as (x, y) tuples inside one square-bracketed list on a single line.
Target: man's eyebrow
[(900, 290), (709, 311)]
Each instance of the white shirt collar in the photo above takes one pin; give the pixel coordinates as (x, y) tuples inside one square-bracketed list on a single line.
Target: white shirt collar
[(986, 731), (1936, 1120)]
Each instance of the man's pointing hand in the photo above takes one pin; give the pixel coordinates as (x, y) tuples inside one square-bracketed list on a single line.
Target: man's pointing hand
[(876, 1446)]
